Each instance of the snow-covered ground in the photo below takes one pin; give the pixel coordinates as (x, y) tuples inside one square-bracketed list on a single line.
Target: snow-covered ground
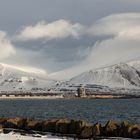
[(14, 136), (17, 79)]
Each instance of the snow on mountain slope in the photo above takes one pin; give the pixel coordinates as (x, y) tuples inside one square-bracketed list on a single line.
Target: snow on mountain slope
[(135, 64), (119, 75), (14, 78)]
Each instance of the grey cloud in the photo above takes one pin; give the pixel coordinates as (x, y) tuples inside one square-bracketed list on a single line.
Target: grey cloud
[(55, 55), (17, 13)]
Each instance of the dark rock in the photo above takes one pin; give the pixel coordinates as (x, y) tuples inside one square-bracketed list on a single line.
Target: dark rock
[(86, 132), (82, 128), (72, 127), (15, 123), (97, 129), (79, 129), (135, 131), (112, 129), (33, 125), (77, 126), (62, 126), (130, 130), (125, 129), (3, 120), (1, 128), (49, 125)]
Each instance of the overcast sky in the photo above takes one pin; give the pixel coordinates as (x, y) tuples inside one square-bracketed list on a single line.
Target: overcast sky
[(69, 36)]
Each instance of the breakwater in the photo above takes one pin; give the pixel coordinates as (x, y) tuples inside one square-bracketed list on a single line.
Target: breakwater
[(71, 128)]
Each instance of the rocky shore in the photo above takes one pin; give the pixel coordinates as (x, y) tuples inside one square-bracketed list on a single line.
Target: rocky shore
[(70, 128)]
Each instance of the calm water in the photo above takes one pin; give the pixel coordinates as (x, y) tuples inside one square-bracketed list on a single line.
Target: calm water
[(92, 110)]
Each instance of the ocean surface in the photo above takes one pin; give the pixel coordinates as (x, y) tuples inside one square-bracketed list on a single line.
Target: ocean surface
[(92, 110)]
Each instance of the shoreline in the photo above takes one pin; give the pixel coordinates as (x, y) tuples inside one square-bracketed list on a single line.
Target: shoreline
[(31, 97), (61, 97)]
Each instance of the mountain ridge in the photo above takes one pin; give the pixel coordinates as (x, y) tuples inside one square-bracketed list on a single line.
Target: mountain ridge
[(117, 75), (122, 75)]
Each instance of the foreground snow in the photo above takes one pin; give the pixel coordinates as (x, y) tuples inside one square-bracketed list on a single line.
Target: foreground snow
[(18, 137), (13, 136)]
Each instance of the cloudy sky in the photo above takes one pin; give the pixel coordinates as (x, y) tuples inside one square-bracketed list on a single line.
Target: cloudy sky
[(67, 37)]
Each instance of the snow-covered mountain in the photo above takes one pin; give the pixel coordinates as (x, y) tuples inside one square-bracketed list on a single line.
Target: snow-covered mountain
[(119, 75), (16, 79)]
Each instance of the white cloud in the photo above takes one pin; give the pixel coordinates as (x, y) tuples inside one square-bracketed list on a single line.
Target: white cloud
[(122, 43), (54, 30), (127, 24), (6, 47), (113, 51)]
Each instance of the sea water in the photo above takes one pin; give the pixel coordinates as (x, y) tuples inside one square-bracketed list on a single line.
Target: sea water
[(92, 110)]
